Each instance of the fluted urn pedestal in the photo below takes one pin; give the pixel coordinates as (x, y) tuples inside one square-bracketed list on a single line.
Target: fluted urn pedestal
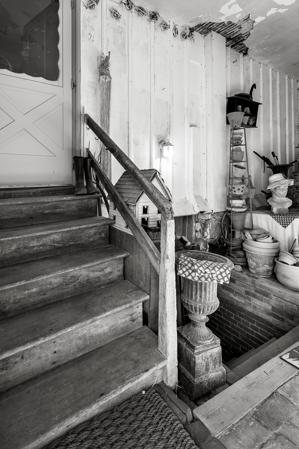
[(199, 350)]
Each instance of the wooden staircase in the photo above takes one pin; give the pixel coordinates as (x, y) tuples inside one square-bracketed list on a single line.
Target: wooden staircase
[(72, 341)]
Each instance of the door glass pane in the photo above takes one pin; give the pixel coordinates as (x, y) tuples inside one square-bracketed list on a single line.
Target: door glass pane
[(29, 37)]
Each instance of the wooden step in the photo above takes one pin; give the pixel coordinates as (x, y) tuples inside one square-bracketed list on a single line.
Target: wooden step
[(68, 271), (43, 408), (29, 242), (266, 353), (38, 340), (27, 211), (22, 192)]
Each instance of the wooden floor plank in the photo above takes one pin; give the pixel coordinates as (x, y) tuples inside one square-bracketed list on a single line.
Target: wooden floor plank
[(229, 406)]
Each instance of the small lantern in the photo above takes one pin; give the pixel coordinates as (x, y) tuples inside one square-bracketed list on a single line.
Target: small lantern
[(243, 102), (165, 147)]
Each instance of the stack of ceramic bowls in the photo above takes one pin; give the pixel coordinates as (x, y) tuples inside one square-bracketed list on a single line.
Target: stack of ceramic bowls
[(287, 258)]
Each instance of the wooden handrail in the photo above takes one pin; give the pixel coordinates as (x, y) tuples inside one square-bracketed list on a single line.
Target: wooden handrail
[(162, 203), (141, 236), (164, 263)]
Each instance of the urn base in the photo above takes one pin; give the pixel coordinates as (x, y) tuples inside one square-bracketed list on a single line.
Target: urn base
[(200, 366)]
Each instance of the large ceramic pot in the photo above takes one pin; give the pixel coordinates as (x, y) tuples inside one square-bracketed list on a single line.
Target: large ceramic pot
[(287, 275), (260, 258)]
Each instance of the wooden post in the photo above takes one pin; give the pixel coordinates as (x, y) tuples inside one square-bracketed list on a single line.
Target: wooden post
[(105, 94), (167, 302)]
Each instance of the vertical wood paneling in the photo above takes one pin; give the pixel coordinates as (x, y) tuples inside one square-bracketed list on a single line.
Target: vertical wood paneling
[(248, 81), (291, 146), (179, 120), (116, 41), (166, 87), (255, 134), (160, 99), (217, 156), (140, 85), (276, 122), (194, 73), (287, 149), (200, 161), (282, 107), (265, 118), (275, 113)]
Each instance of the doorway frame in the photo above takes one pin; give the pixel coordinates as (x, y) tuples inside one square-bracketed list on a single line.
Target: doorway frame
[(76, 78)]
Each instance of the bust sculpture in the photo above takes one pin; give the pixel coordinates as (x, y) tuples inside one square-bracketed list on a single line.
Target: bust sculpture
[(278, 185)]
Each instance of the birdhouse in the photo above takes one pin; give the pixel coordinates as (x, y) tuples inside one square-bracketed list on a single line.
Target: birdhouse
[(243, 102), (143, 208)]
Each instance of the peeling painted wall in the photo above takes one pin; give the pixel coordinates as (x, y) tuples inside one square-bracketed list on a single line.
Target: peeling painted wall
[(164, 87), (159, 90)]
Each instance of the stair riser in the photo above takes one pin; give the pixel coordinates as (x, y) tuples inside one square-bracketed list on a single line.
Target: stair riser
[(16, 250), (58, 286), (14, 215), (22, 192), (67, 345)]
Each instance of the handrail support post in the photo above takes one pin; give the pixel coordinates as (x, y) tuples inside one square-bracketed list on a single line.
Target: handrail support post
[(167, 331)]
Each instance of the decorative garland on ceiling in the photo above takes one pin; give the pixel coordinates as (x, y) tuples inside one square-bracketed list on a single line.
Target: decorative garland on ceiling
[(185, 32), (235, 33), (90, 4)]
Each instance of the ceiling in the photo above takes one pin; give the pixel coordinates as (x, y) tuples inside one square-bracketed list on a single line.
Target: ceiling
[(274, 39)]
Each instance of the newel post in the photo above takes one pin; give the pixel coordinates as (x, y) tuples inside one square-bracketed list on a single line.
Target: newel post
[(167, 301)]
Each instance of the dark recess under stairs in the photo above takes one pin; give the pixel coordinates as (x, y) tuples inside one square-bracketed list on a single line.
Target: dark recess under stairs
[(72, 343)]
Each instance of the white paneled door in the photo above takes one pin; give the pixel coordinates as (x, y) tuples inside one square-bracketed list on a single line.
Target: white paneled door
[(35, 93)]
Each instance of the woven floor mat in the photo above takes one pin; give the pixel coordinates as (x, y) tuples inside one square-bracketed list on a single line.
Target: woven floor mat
[(142, 422)]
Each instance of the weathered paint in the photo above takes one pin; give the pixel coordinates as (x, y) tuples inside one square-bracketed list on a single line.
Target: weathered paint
[(165, 87)]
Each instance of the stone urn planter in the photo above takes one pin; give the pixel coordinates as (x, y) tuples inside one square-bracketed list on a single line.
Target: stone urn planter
[(200, 356), (199, 290)]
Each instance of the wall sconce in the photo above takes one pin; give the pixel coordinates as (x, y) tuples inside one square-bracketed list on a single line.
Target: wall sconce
[(165, 147)]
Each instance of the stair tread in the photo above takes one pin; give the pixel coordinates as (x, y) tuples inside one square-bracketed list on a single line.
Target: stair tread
[(20, 232), (45, 199), (77, 389), (26, 330), (58, 261)]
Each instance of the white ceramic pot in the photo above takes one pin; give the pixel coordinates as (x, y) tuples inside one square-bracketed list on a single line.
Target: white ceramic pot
[(287, 275), (260, 259)]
